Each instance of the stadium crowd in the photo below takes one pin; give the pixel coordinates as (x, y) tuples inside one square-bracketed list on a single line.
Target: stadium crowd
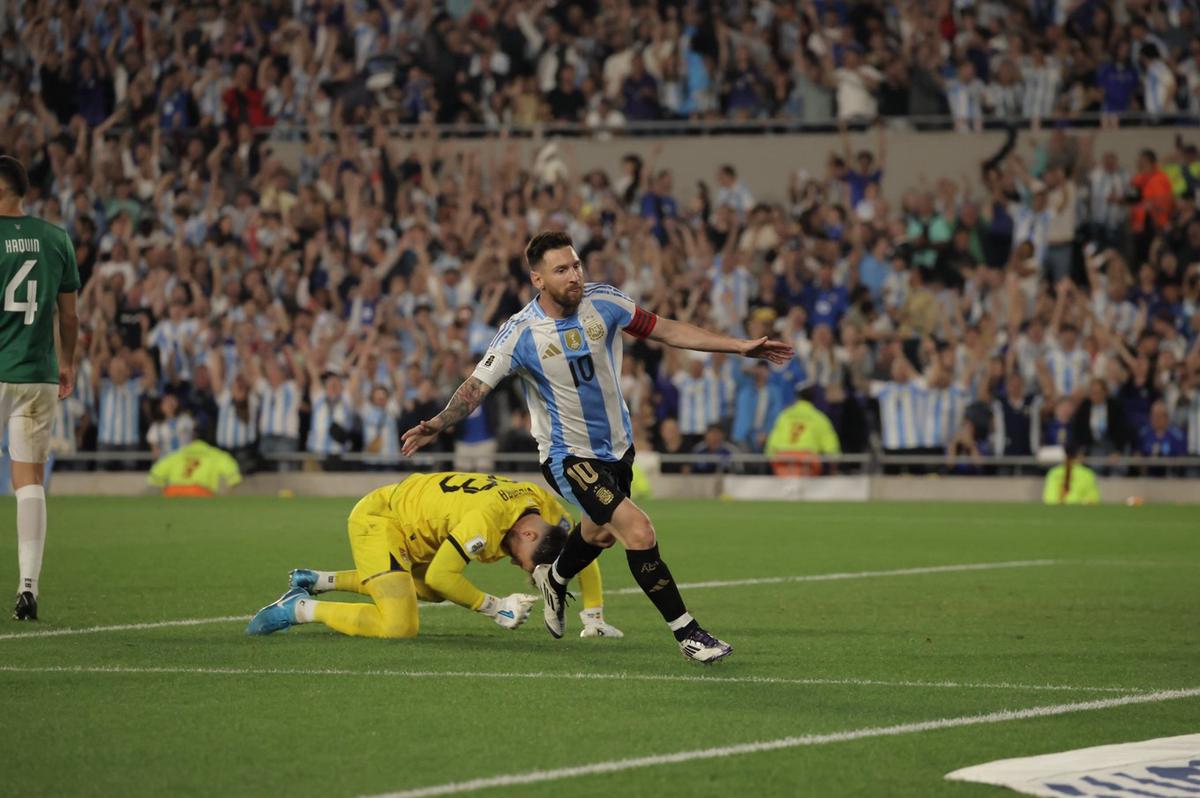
[(1053, 298), (603, 64)]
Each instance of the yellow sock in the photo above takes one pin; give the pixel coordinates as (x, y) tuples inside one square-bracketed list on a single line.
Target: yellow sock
[(393, 615), (347, 582), (592, 585)]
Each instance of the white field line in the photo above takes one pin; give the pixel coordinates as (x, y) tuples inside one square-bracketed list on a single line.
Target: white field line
[(619, 765), (775, 580), (124, 627), (550, 675), (779, 580)]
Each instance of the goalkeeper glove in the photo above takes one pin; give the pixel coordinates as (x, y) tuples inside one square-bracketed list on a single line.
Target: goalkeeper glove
[(510, 611), (594, 625)]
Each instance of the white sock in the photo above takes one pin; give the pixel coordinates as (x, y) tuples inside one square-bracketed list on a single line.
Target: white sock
[(325, 581), (304, 610), (31, 535), (555, 575), (681, 621)]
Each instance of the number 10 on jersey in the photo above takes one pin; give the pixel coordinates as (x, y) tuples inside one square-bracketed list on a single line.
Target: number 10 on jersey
[(583, 369)]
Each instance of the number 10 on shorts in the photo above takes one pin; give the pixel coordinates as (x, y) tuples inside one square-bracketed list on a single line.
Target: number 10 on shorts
[(583, 474)]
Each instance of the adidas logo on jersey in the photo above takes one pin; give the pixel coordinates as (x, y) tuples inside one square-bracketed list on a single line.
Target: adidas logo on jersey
[(551, 351)]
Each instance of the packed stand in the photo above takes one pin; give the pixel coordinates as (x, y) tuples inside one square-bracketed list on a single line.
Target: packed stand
[(602, 65), (320, 310)]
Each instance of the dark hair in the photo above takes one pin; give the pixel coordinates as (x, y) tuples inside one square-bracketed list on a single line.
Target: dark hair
[(552, 543), (13, 173), (542, 243), (635, 184)]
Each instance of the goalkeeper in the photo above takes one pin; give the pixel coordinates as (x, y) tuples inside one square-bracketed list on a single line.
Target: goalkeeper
[(413, 540)]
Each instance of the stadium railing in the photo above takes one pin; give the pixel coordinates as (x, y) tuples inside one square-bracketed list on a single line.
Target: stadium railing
[(867, 463), (709, 127)]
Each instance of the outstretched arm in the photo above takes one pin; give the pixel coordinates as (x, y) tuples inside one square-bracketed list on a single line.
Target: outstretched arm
[(468, 397), (688, 336)]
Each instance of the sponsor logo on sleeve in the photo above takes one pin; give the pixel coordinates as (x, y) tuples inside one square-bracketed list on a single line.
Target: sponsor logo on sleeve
[(475, 545)]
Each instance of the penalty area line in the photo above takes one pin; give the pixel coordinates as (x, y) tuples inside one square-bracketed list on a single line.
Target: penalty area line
[(619, 676), (619, 765), (771, 580)]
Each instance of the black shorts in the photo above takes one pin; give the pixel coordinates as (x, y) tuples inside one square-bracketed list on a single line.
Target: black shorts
[(598, 486)]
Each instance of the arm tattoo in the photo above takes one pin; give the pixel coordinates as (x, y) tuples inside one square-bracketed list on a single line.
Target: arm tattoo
[(468, 397)]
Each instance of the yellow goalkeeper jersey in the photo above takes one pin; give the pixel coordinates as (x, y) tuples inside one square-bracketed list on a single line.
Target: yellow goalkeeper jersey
[(803, 428), (196, 465), (1080, 488), (471, 511)]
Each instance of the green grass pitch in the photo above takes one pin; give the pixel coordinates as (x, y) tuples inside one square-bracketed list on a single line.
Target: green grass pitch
[(205, 710)]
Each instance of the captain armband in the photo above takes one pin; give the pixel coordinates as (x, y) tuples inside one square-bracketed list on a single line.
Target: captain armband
[(642, 323)]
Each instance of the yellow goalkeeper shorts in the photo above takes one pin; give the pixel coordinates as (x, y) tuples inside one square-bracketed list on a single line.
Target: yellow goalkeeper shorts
[(374, 544)]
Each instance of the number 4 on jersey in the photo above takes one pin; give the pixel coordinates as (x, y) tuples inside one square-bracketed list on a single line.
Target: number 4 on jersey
[(29, 307)]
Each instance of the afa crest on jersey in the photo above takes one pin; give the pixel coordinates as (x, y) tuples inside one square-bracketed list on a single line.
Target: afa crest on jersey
[(595, 330)]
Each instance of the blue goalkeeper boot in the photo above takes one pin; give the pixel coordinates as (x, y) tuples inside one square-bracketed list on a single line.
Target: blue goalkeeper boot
[(304, 579), (278, 615)]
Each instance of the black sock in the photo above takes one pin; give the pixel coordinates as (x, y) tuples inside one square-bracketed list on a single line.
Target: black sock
[(576, 555), (654, 578)]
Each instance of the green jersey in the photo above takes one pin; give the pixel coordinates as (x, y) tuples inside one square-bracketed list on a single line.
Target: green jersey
[(37, 263)]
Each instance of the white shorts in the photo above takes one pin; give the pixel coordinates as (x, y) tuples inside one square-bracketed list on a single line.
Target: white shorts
[(27, 412)]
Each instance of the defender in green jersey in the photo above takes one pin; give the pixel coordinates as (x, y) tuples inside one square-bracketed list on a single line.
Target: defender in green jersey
[(38, 276)]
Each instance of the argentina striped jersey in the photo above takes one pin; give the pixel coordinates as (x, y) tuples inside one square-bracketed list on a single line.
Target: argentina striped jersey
[(64, 430), (171, 340), (120, 406), (900, 412), (279, 408), (570, 372), (1068, 370), (327, 411), (171, 434), (1192, 409), (699, 402), (232, 431), (380, 432), (941, 413)]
